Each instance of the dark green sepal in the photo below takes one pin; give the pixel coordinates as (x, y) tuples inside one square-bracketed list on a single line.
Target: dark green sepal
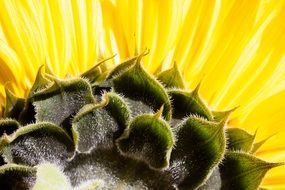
[(44, 141), (171, 78), (200, 146), (119, 110), (149, 139), (8, 126), (138, 85), (14, 105), (186, 103), (61, 99), (98, 125), (241, 170), (239, 139), (13, 176)]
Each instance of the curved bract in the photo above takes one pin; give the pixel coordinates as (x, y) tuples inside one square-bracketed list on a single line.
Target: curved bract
[(124, 129)]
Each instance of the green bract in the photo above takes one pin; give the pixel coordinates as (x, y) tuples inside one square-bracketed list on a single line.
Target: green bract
[(122, 129)]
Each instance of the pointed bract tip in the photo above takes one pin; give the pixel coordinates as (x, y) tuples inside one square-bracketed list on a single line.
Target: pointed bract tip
[(255, 132), (159, 112), (274, 165), (258, 144), (104, 60), (11, 98), (42, 69), (139, 58), (46, 67), (229, 112), (175, 66), (232, 110), (7, 91), (196, 89), (144, 53)]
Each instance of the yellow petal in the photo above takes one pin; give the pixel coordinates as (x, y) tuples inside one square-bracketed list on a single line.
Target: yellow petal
[(139, 23), (267, 117), (85, 18), (22, 34), (10, 68), (236, 48), (2, 99)]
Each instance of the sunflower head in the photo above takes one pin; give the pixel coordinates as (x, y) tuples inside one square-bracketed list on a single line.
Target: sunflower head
[(202, 108), (122, 128)]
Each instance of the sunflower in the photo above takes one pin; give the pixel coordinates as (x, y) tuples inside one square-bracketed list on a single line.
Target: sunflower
[(233, 50)]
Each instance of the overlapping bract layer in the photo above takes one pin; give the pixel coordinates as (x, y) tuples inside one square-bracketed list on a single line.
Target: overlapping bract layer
[(122, 129)]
